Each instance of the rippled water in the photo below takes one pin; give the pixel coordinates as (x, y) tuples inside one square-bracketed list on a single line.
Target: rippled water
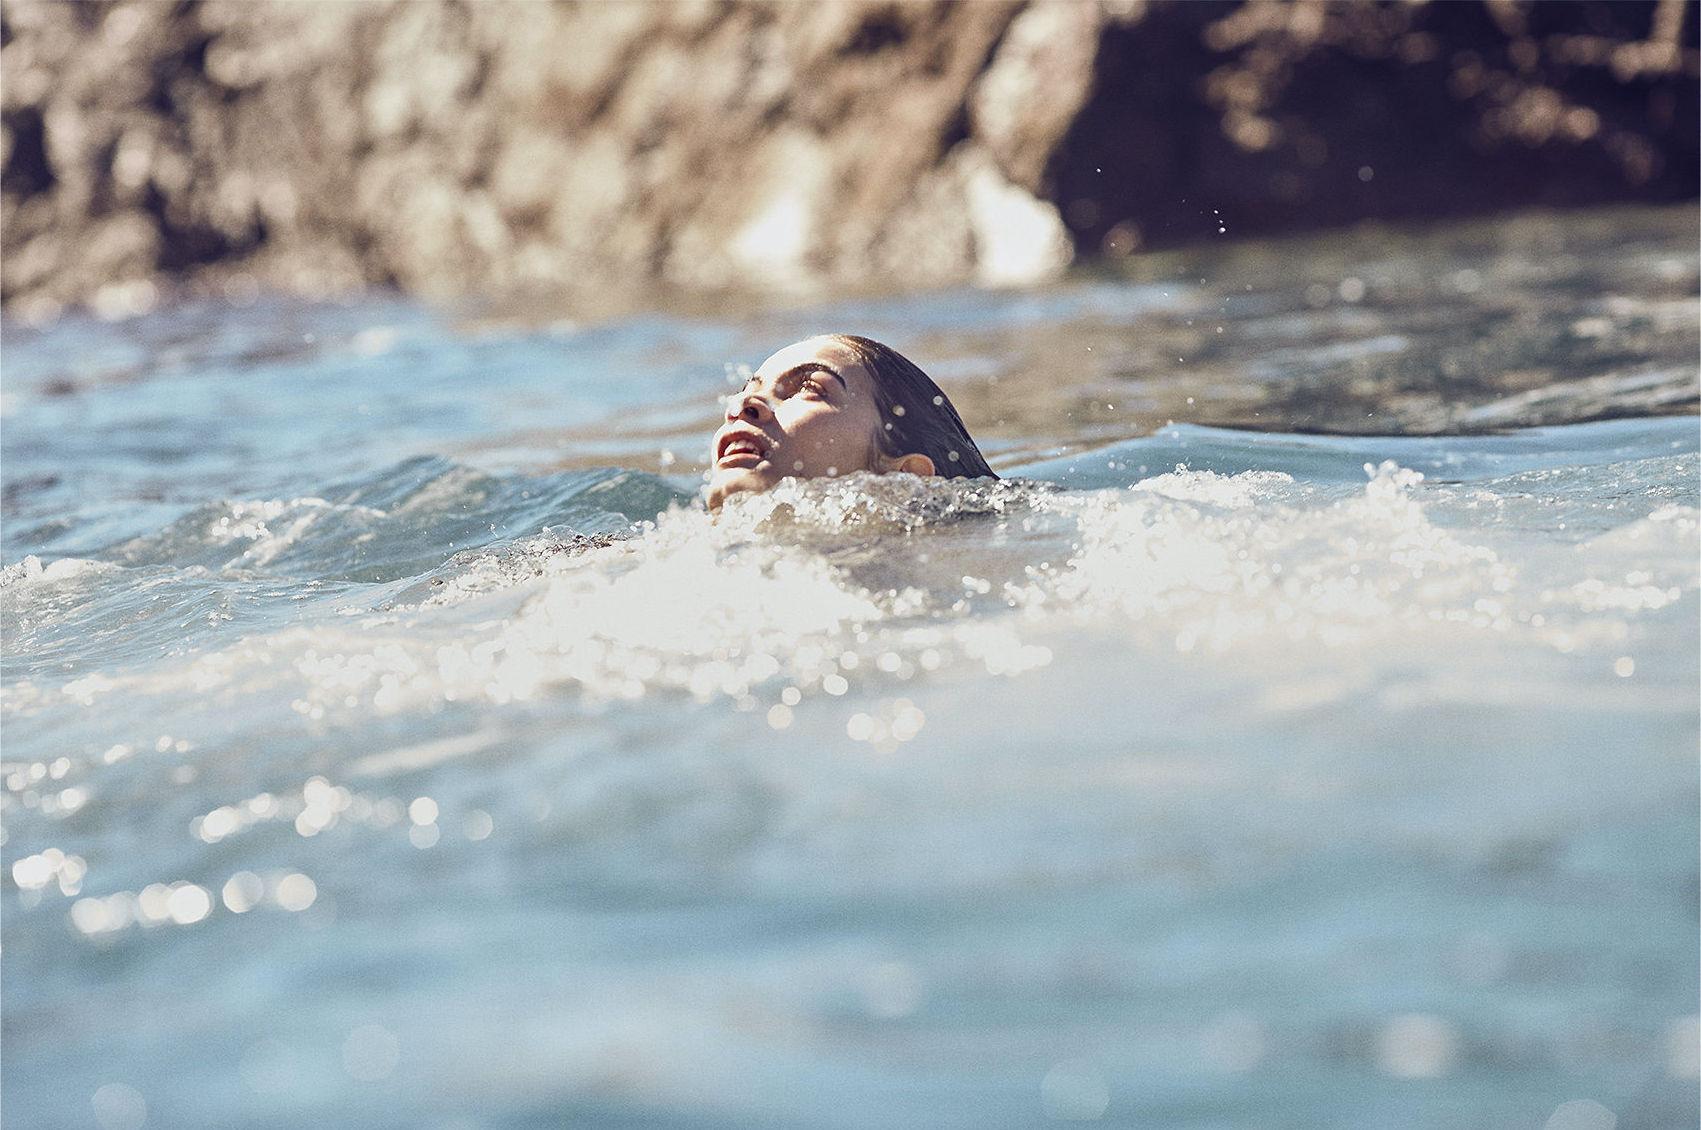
[(1303, 734)]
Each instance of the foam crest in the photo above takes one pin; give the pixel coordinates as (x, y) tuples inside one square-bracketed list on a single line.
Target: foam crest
[(1213, 561), (1217, 489), (689, 604), (778, 590), (865, 502), (687, 615), (30, 571), (252, 534), (866, 582)]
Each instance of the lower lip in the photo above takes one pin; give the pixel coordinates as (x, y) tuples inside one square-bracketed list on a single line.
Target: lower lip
[(739, 459)]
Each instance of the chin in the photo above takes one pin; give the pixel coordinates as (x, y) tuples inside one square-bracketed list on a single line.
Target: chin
[(733, 482)]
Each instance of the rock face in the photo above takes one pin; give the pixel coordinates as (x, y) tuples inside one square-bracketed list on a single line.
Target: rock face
[(450, 148)]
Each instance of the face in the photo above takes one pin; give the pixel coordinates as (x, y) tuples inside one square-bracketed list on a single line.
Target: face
[(808, 412)]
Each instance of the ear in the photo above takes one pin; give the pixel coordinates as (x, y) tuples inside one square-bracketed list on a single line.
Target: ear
[(914, 464)]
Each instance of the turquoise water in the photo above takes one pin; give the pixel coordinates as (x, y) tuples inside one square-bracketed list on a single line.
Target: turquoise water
[(1304, 734)]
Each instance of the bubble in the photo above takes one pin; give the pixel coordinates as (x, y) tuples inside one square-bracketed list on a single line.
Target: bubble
[(242, 892), (1236, 1042), (1417, 1046), (154, 904), (90, 916), (1683, 1047), (295, 892), (70, 800), (219, 823), (34, 871), (1624, 666), (188, 904), (423, 810), (423, 836), (477, 825), (119, 1106), (72, 873), (373, 341), (1075, 1091), (779, 716), (907, 720), (1122, 240), (1581, 1114), (370, 1053), (891, 990), (1366, 173), (835, 684)]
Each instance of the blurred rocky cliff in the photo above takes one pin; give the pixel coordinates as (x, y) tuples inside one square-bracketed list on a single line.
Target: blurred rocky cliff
[(449, 147)]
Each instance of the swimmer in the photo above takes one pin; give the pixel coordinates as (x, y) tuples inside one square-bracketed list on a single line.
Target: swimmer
[(832, 405)]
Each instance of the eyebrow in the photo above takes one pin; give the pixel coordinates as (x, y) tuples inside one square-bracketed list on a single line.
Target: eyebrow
[(806, 367)]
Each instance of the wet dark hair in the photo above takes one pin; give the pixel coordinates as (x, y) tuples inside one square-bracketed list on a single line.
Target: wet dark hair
[(918, 418)]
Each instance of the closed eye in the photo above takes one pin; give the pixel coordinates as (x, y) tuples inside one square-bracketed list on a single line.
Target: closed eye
[(793, 383), (809, 377), (812, 379)]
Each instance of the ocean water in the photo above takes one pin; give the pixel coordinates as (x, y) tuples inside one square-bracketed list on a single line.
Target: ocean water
[(1303, 733)]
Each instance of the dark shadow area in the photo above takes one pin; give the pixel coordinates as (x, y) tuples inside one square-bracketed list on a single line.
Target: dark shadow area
[(1375, 113)]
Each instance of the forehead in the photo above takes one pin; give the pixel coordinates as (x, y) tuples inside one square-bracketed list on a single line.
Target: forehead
[(823, 350)]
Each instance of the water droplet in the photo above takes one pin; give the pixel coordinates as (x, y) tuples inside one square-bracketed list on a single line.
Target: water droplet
[(119, 1106), (1417, 1046), (1581, 1114), (295, 892), (370, 1053), (1075, 1091)]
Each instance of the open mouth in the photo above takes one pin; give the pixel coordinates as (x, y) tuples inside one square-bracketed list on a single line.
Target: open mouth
[(740, 448)]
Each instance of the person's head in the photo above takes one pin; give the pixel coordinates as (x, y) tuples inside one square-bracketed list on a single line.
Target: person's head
[(832, 405)]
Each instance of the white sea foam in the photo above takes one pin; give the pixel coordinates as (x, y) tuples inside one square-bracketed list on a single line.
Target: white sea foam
[(31, 571), (796, 588)]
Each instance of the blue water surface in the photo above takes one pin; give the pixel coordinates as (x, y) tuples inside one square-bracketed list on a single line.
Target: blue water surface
[(1302, 734)]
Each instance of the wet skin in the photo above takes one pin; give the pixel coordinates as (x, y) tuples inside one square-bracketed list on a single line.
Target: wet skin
[(808, 412)]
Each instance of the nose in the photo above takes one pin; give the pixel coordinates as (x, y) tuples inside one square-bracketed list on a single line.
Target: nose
[(748, 405)]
